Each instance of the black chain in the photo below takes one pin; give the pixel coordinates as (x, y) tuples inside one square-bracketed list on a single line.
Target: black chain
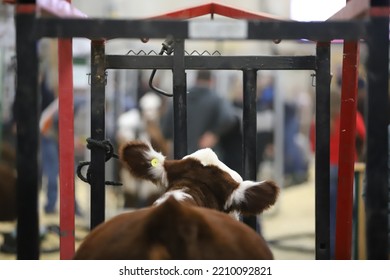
[(107, 146)]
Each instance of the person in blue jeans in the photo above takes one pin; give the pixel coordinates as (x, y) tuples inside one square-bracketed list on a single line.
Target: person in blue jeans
[(50, 167), (49, 148), (49, 145)]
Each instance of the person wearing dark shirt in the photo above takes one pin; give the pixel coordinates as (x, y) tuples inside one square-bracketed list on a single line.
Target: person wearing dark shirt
[(208, 116)]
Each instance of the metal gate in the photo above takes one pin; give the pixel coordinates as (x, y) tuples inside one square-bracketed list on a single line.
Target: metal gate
[(375, 31)]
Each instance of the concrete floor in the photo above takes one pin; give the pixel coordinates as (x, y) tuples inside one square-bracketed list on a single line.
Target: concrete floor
[(289, 226)]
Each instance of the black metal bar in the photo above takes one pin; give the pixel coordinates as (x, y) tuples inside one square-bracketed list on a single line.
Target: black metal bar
[(315, 31), (322, 152), (197, 62), (139, 62), (27, 110), (109, 29), (377, 120), (97, 166), (249, 134), (251, 62), (179, 101), (256, 30)]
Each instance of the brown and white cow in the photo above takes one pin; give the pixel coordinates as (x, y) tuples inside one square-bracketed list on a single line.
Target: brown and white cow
[(7, 183), (190, 220)]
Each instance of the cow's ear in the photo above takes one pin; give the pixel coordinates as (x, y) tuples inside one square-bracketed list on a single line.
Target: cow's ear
[(251, 198), (144, 162)]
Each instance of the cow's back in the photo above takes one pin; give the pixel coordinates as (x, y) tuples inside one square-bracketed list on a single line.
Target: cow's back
[(173, 231)]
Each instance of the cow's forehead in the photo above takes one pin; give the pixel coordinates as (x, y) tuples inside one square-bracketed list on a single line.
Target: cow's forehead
[(209, 157)]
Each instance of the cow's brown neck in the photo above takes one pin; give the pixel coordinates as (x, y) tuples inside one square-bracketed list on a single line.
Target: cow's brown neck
[(209, 190)]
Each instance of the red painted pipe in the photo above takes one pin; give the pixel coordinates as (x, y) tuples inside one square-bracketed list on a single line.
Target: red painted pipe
[(347, 151), (66, 149), (219, 9)]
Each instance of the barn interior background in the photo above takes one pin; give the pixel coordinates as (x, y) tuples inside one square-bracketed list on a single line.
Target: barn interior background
[(286, 106)]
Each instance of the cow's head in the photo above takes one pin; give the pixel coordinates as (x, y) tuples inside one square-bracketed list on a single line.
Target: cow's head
[(200, 179)]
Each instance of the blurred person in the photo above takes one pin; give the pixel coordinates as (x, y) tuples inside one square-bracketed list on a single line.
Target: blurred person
[(208, 116), (296, 148), (141, 123), (49, 147), (335, 118), (231, 141), (265, 116)]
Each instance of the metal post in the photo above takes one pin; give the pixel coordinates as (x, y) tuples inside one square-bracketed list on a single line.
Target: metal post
[(66, 149), (27, 112), (343, 244), (179, 101), (97, 167), (377, 121), (322, 152), (279, 131), (249, 134)]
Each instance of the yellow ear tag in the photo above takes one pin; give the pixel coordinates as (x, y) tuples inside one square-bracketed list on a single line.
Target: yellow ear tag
[(154, 162)]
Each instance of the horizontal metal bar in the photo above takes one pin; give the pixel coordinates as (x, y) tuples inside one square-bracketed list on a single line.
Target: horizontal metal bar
[(139, 62), (108, 28), (251, 62), (259, 30), (315, 31), (212, 62)]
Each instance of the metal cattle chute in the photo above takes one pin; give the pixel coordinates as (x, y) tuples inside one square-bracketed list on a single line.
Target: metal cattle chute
[(347, 25)]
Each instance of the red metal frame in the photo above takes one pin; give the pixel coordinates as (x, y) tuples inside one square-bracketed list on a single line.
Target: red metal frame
[(65, 122), (344, 219), (218, 9), (66, 149), (26, 9), (66, 125), (66, 130)]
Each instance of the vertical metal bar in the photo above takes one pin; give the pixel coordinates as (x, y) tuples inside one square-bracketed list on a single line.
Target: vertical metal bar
[(322, 152), (66, 149), (27, 112), (97, 167), (355, 219), (377, 120), (249, 134), (179, 101), (2, 51), (279, 130), (343, 244)]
